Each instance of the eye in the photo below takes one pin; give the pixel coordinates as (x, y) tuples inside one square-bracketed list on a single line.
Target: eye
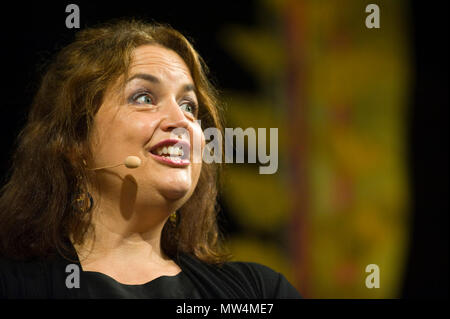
[(189, 107), (142, 98)]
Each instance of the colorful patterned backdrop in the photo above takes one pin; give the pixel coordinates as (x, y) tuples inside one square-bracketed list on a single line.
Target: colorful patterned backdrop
[(337, 92)]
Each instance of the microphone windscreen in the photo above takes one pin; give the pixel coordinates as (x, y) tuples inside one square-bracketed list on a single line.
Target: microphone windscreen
[(132, 162)]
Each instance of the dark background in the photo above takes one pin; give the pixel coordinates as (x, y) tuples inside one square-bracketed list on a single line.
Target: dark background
[(32, 33), (427, 271)]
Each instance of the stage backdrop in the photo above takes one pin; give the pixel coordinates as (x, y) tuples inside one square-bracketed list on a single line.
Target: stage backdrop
[(338, 93)]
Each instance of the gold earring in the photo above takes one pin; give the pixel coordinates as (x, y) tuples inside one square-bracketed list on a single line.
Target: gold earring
[(84, 202), (173, 218)]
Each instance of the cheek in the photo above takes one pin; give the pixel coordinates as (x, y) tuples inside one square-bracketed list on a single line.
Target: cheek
[(142, 129), (198, 154), (196, 170), (134, 131), (116, 137), (198, 141)]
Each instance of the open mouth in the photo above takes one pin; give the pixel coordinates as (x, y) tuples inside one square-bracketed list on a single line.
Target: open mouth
[(172, 152)]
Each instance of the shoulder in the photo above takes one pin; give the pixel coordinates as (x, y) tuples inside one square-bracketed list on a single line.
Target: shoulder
[(33, 278), (15, 275), (237, 280), (270, 283)]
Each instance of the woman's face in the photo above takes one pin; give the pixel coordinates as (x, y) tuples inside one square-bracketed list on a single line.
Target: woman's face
[(155, 109)]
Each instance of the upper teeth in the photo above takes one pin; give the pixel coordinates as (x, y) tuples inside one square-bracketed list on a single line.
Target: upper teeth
[(171, 150)]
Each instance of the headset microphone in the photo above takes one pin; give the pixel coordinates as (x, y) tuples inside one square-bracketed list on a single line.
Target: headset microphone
[(130, 162)]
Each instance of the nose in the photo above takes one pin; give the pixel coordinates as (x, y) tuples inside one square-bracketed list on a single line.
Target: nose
[(174, 120)]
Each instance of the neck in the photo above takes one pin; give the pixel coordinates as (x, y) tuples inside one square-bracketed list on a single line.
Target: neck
[(125, 241), (131, 235), (129, 257)]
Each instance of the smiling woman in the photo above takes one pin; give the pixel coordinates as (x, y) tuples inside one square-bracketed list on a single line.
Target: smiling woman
[(122, 89)]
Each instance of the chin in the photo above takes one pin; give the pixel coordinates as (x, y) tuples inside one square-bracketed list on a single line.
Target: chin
[(174, 194), (175, 191)]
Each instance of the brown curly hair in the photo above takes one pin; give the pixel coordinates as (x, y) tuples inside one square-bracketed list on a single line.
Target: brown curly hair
[(37, 214)]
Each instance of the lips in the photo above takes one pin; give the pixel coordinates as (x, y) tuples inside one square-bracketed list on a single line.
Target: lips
[(172, 152)]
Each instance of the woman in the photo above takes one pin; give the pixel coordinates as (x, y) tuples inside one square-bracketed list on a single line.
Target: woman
[(76, 223)]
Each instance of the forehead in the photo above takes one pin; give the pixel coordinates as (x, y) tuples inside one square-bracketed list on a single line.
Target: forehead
[(159, 61)]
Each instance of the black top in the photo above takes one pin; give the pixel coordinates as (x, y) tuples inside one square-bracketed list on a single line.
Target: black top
[(164, 287), (57, 278)]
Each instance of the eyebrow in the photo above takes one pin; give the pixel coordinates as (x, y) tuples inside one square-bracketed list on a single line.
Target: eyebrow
[(153, 79)]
